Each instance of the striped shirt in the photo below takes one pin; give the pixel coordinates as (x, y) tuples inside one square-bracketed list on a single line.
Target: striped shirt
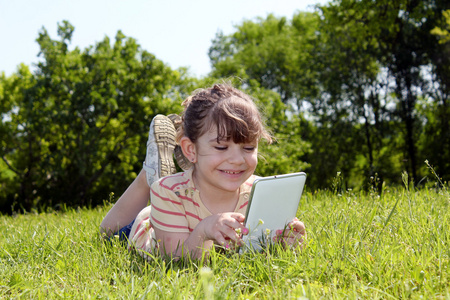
[(176, 207)]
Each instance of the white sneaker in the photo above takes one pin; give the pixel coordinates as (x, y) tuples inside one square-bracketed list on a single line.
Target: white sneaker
[(160, 146)]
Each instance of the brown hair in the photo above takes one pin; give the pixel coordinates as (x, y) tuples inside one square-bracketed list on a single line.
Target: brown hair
[(233, 112)]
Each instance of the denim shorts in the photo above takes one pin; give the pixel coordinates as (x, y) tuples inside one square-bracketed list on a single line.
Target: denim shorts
[(124, 232)]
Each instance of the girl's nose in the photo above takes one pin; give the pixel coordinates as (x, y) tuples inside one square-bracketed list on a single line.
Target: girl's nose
[(236, 157)]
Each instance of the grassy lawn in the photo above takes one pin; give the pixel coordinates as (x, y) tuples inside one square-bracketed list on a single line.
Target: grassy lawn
[(360, 246)]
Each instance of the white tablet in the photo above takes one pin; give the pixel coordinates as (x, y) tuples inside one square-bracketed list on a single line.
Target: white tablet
[(273, 204)]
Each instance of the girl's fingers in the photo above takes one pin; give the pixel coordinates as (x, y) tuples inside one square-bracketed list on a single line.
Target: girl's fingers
[(289, 241), (220, 239), (228, 235), (224, 241), (227, 242), (297, 226), (293, 234), (231, 234), (235, 222), (228, 229), (238, 217)]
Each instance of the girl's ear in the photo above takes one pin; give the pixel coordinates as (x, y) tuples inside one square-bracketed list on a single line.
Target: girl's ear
[(189, 149)]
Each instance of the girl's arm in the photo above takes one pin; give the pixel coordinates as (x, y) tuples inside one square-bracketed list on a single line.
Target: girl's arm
[(219, 229), (125, 210)]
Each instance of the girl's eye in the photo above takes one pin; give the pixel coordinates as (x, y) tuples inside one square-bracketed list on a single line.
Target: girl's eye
[(220, 148), (250, 149)]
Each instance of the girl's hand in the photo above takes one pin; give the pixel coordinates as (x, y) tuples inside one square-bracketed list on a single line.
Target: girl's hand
[(293, 235), (224, 228)]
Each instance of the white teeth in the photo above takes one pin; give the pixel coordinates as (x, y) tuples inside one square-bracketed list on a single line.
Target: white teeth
[(229, 172)]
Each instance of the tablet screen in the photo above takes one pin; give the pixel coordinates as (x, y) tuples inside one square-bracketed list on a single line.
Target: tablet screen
[(273, 204)]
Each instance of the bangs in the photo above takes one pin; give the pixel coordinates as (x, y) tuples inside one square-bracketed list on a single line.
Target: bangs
[(236, 120)]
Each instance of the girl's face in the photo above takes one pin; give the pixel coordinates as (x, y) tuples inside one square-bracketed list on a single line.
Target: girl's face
[(224, 165)]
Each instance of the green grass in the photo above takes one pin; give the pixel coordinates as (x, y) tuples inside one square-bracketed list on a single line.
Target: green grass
[(360, 246)]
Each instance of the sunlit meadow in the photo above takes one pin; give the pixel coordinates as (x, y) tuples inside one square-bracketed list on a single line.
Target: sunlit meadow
[(387, 243)]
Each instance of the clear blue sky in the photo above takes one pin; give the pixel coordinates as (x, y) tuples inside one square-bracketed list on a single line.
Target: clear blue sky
[(178, 32)]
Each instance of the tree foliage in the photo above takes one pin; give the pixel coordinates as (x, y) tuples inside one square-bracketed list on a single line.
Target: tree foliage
[(269, 51), (358, 87), (397, 35), (357, 72), (75, 131)]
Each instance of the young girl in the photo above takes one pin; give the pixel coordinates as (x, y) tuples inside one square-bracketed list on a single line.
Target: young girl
[(204, 205)]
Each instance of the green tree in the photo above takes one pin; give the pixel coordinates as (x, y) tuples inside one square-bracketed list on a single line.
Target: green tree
[(11, 96), (356, 70), (400, 38), (264, 55), (444, 31), (286, 153), (353, 94), (76, 129), (272, 51), (281, 55), (435, 140)]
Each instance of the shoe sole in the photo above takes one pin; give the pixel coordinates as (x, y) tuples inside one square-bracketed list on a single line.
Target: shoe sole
[(164, 132), (182, 160)]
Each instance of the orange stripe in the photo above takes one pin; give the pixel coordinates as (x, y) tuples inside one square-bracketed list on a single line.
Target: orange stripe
[(161, 183), (171, 226), (140, 223), (243, 205), (194, 216), (142, 233), (179, 196), (189, 199), (168, 211), (169, 176), (165, 199), (179, 183)]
